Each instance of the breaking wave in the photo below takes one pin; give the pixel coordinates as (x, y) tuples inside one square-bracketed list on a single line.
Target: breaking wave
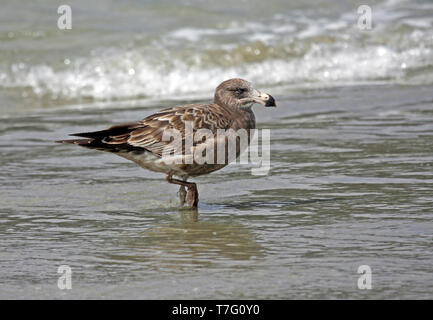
[(289, 51)]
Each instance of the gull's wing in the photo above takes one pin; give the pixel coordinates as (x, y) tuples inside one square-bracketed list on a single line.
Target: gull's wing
[(147, 134)]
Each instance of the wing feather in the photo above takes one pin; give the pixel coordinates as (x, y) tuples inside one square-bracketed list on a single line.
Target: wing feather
[(148, 133)]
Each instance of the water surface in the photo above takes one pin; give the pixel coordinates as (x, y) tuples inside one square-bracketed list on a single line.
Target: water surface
[(350, 184), (351, 151)]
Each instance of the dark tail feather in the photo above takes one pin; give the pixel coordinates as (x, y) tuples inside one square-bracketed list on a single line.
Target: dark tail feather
[(80, 142), (89, 143), (86, 143), (99, 145), (104, 140), (112, 131)]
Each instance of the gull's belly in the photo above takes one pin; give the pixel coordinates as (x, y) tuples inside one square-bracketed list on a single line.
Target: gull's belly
[(182, 166)]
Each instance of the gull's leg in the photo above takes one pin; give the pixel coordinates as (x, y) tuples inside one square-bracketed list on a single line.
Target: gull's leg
[(192, 189), (182, 195), (192, 195)]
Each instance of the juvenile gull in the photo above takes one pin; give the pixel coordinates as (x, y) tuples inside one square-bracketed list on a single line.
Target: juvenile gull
[(143, 141)]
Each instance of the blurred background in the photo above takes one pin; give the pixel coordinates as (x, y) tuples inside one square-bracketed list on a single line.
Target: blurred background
[(351, 150), (145, 49)]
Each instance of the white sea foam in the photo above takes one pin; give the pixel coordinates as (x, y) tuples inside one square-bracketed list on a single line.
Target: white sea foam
[(104, 82), (289, 49), (119, 77)]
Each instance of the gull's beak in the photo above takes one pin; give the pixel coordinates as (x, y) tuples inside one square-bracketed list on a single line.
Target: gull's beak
[(265, 99)]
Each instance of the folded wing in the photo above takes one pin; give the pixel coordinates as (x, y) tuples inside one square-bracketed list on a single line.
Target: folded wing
[(148, 134)]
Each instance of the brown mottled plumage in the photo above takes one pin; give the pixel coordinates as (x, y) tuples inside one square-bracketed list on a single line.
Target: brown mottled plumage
[(143, 143)]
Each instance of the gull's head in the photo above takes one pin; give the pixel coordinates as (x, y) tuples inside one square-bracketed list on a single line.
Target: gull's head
[(240, 94)]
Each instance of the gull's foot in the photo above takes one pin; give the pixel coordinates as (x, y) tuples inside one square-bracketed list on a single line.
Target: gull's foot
[(192, 195), (192, 191), (182, 195)]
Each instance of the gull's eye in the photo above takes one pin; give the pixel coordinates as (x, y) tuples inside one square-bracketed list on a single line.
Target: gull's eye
[(239, 91)]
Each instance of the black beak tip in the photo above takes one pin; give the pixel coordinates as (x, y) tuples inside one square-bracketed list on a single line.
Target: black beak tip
[(271, 102)]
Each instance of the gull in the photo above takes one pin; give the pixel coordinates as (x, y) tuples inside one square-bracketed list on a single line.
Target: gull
[(145, 142)]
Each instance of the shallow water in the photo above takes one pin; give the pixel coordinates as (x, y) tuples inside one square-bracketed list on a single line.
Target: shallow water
[(350, 184), (351, 150)]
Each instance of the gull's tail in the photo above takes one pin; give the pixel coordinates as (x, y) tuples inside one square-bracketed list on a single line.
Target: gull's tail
[(86, 143), (113, 139)]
